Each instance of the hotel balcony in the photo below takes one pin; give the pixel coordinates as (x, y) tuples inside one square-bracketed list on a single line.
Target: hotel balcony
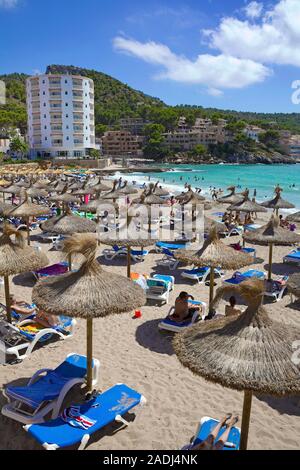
[(35, 98)]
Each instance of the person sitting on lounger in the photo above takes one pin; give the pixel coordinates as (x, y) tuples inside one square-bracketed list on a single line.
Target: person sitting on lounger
[(21, 307), (209, 443), (45, 319), (183, 308), (230, 309)]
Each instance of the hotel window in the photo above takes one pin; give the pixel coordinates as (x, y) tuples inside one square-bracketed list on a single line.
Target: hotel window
[(67, 115), (67, 104), (45, 116), (68, 138), (66, 81), (66, 92)]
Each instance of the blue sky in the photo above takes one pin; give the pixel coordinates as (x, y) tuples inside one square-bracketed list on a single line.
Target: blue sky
[(238, 54)]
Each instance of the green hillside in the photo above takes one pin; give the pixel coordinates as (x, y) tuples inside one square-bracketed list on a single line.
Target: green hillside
[(114, 100)]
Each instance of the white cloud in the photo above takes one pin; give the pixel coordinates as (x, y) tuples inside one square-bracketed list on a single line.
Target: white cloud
[(8, 3), (215, 72), (254, 9), (272, 39), (215, 92)]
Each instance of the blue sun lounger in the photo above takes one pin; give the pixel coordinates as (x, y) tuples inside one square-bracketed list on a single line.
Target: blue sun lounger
[(207, 425), (238, 277), (100, 411), (169, 246), (293, 257), (171, 325), (46, 390)]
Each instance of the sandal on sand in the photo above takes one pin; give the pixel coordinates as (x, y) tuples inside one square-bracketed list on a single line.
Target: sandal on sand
[(233, 421), (226, 418)]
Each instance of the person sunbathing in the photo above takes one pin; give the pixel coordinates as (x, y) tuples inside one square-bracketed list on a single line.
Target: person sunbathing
[(183, 308), (45, 319), (210, 442), (21, 307), (230, 309)]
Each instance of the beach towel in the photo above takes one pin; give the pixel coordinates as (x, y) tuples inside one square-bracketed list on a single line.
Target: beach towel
[(74, 418)]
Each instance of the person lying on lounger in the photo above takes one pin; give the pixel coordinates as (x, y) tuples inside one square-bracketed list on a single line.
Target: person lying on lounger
[(231, 308), (183, 308), (21, 307), (45, 319), (209, 443)]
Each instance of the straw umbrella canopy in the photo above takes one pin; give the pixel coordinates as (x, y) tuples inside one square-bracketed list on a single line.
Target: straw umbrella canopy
[(295, 217), (88, 293), (84, 190), (99, 187), (215, 254), (68, 224), (231, 198), (249, 352), (65, 198), (271, 234), (36, 192), (16, 258), (5, 208), (293, 284), (190, 197), (246, 205), (26, 209), (149, 199), (277, 202), (159, 191), (208, 223), (129, 237)]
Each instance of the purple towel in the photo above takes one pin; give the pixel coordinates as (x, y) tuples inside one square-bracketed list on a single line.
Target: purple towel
[(53, 270)]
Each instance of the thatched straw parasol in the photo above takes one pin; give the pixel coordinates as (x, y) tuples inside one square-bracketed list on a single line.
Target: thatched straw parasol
[(149, 199), (126, 189), (208, 223), (159, 191), (85, 190), (278, 203), (189, 196), (68, 224), (248, 352), (231, 198), (271, 234), (16, 258), (293, 284), (5, 209), (295, 217), (246, 205), (214, 254), (36, 192), (26, 209), (88, 293), (129, 237)]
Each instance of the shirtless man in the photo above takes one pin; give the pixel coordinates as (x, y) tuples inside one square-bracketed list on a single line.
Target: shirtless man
[(183, 308), (20, 307)]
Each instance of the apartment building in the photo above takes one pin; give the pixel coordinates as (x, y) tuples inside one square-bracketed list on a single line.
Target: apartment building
[(290, 144), (61, 120), (203, 132), (133, 125), (121, 143)]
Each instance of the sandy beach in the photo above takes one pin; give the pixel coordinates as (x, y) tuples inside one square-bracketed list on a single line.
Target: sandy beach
[(135, 352)]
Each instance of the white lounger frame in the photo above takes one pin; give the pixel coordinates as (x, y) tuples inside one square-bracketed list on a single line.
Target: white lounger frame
[(28, 346), (14, 411), (85, 439), (203, 279), (164, 297), (176, 329)]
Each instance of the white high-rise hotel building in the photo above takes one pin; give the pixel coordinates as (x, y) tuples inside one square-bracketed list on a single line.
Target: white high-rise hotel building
[(61, 120)]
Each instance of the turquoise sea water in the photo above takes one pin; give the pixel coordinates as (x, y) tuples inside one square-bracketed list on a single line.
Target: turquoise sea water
[(263, 178)]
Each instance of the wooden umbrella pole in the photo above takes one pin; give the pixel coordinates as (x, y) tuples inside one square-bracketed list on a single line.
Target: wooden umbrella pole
[(129, 261), (28, 231), (246, 419), (211, 287), (7, 298), (70, 262), (89, 353), (270, 262), (182, 221)]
